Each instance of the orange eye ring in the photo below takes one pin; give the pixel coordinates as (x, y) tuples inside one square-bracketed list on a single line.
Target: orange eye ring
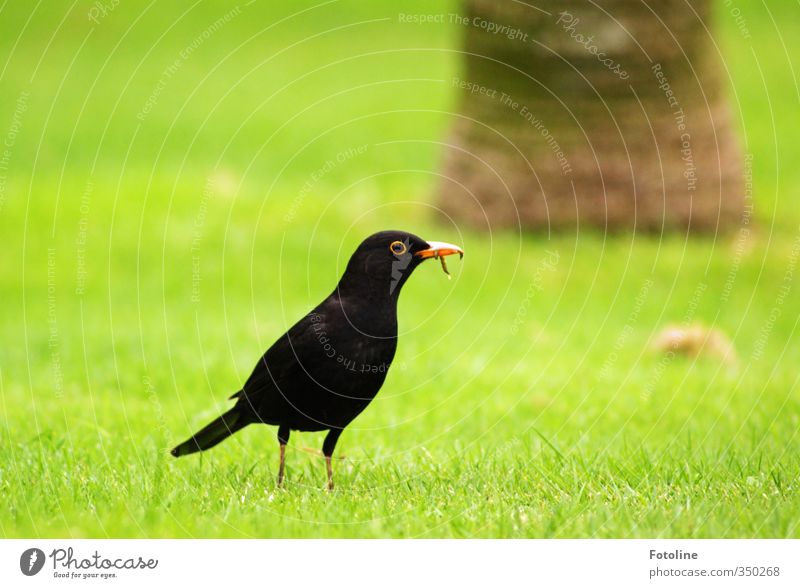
[(398, 247)]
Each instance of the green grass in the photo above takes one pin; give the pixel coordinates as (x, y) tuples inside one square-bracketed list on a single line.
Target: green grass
[(523, 402)]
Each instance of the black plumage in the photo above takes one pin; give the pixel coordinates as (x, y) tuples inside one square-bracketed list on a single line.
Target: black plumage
[(327, 368)]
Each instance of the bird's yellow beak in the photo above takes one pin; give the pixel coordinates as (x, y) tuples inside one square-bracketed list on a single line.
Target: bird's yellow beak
[(439, 249)]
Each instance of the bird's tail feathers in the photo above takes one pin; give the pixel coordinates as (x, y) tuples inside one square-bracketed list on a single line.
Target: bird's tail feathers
[(214, 432)]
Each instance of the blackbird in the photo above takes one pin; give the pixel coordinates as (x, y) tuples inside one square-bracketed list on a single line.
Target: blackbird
[(327, 368)]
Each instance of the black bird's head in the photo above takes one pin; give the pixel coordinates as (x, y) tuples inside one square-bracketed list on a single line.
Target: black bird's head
[(384, 261)]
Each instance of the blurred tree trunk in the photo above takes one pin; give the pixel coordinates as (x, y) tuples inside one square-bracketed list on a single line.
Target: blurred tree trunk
[(610, 113)]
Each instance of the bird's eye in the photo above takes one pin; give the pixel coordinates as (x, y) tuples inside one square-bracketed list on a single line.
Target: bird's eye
[(398, 247)]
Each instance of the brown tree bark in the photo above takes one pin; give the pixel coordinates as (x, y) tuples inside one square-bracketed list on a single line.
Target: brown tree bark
[(610, 113)]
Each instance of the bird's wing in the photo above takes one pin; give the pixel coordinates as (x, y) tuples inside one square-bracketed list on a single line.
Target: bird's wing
[(281, 368)]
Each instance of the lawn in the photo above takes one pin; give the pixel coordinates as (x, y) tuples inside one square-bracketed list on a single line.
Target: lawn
[(178, 192)]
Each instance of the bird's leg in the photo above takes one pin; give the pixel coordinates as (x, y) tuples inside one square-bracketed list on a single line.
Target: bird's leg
[(327, 449), (283, 461), (330, 472), (283, 439)]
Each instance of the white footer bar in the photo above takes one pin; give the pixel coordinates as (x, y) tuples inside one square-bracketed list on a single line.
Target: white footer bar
[(355, 563)]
